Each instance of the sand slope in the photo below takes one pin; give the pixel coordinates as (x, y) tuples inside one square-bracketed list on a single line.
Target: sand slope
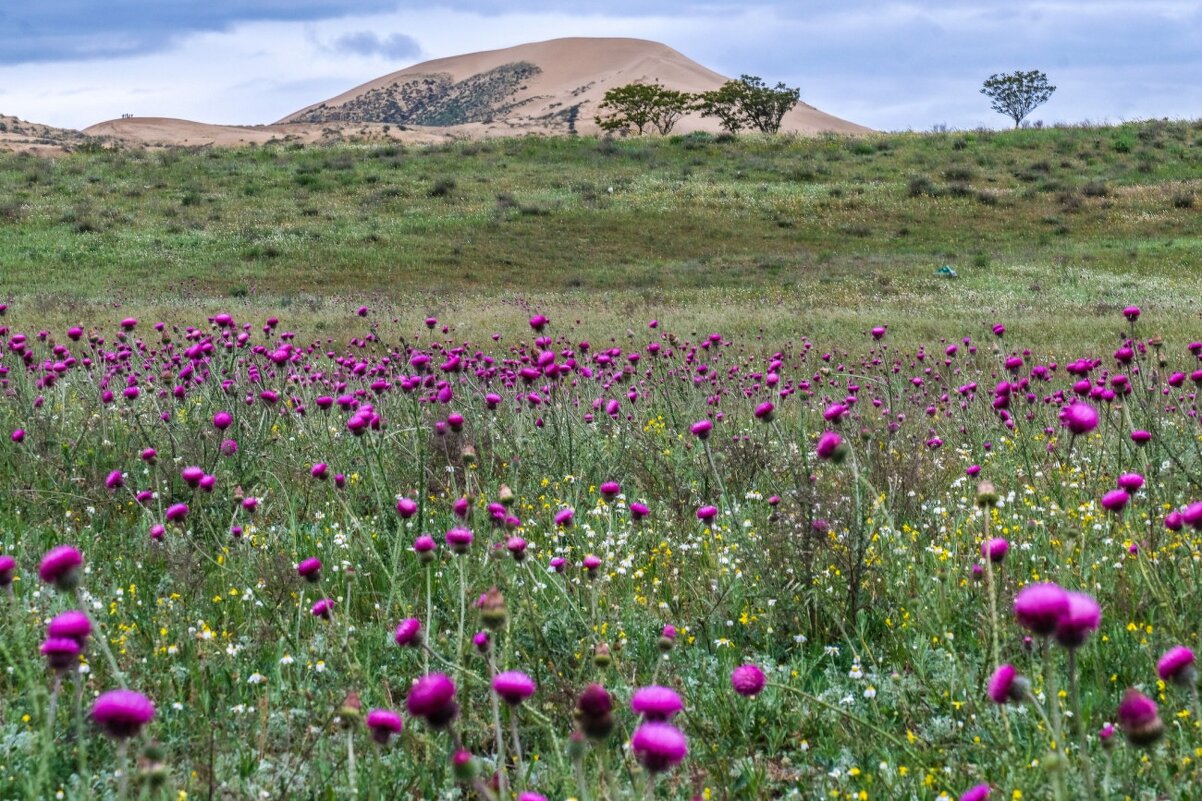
[(573, 72), (34, 137)]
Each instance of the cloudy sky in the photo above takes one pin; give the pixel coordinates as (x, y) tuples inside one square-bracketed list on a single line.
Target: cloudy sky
[(894, 65)]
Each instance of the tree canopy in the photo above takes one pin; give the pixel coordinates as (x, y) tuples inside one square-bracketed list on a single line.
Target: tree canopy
[(1017, 94)]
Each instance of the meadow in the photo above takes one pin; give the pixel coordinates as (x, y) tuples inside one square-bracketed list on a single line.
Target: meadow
[(552, 493)]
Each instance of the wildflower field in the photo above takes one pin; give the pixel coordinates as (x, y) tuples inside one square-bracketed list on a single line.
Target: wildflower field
[(575, 549)]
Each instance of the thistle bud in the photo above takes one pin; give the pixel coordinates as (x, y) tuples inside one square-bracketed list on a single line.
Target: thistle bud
[(986, 494), (505, 495), (492, 609), (469, 454), (350, 710), (463, 765), (601, 656), (576, 746)]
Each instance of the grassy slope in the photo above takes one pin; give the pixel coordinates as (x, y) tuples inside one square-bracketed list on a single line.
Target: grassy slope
[(1050, 227)]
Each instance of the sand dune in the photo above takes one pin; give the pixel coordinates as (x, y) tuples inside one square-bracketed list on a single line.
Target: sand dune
[(34, 137), (551, 87), (559, 75)]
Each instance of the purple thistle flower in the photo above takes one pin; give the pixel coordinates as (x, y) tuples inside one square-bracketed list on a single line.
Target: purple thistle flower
[(748, 680), (1177, 666), (1079, 418), (323, 608), (995, 549), (978, 793), (62, 653), (122, 713), (1082, 618), (513, 686), (459, 540), (433, 697), (656, 703), (1139, 718), (1115, 501), (406, 508), (8, 566), (831, 446), (659, 746), (72, 625), (1039, 607), (701, 429), (59, 566), (384, 723), (176, 512), (1007, 686), (409, 632), (309, 569)]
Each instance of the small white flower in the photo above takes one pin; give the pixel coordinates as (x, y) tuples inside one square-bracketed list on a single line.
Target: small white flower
[(286, 660), (870, 692), (256, 678)]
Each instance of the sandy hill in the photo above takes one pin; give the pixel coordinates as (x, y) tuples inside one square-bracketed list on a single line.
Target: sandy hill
[(544, 87), (17, 134), (167, 131)]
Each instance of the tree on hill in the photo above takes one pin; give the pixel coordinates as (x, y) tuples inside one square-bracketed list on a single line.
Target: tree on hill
[(1017, 94), (640, 106), (749, 103)]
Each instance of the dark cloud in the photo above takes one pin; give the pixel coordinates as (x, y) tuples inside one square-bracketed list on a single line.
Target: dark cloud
[(398, 46), (75, 30)]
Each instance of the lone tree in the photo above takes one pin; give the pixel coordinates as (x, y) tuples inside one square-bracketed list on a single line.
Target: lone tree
[(749, 103), (640, 106), (1017, 94)]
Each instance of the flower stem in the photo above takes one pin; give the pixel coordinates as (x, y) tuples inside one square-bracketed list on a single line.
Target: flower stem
[(351, 773), (1078, 723), (1053, 699), (517, 750), (502, 776)]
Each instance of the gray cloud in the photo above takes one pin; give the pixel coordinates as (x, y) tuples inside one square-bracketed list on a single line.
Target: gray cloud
[(398, 46)]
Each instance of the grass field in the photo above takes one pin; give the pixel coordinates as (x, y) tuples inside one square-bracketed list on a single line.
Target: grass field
[(1058, 226), (869, 533)]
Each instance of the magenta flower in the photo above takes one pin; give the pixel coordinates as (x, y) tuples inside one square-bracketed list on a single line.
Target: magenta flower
[(319, 471), (1131, 482), (459, 540), (1139, 718), (1079, 418), (594, 712), (1115, 501), (659, 746), (114, 481), (408, 632), (765, 411), (222, 420), (748, 680), (59, 566), (995, 549), (1006, 685), (406, 508), (192, 476), (563, 517), (62, 653), (323, 608), (1132, 313), (8, 566), (433, 697), (978, 793), (1141, 437), (122, 713), (610, 490), (1082, 618), (18, 436), (384, 724), (878, 332), (655, 703), (309, 569), (831, 446), (176, 512), (72, 625), (701, 429), (1039, 608), (1177, 666), (706, 514), (513, 686), (638, 511)]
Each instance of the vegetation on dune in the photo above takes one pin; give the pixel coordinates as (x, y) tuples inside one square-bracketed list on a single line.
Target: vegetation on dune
[(1057, 226)]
